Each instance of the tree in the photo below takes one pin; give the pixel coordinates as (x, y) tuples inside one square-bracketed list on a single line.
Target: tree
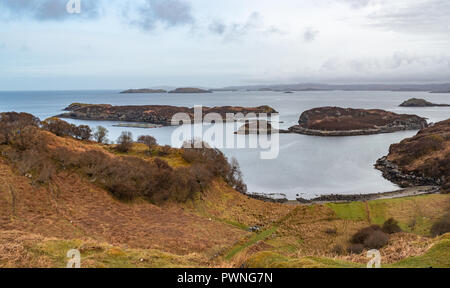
[(100, 134), (82, 132), (124, 142), (58, 127), (148, 140)]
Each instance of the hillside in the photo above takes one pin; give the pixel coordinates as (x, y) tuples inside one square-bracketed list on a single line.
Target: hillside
[(54, 199), (420, 160)]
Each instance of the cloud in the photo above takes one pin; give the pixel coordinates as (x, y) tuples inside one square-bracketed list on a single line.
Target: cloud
[(47, 10), (169, 13), (253, 24), (310, 34), (357, 4), (416, 17)]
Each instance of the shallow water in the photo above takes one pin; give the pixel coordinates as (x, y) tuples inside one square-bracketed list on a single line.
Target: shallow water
[(307, 166)]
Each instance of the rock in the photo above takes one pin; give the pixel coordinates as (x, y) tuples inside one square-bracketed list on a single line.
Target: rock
[(336, 121), (256, 127), (414, 102), (254, 229)]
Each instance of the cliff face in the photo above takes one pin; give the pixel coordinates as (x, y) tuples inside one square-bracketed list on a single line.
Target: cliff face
[(421, 160), (414, 102), (335, 121), (156, 114)]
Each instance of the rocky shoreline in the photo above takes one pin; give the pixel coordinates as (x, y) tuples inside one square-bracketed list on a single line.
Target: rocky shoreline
[(394, 174), (336, 198)]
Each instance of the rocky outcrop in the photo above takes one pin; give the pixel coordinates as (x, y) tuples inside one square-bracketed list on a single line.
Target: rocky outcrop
[(336, 121), (144, 91), (190, 90), (420, 160), (393, 173), (155, 114), (258, 127), (414, 102)]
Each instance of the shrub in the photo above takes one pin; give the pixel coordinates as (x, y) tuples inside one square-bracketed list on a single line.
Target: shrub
[(442, 226), (124, 142), (360, 236), (355, 248), (376, 240), (12, 125), (337, 250), (58, 127), (331, 231), (82, 132), (100, 134), (147, 140), (391, 226)]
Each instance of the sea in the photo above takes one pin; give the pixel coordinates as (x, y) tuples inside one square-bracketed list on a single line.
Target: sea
[(304, 166)]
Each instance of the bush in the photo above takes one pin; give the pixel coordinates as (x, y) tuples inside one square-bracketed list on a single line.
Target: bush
[(331, 231), (82, 132), (376, 240), (124, 142), (147, 140), (337, 250), (58, 127), (391, 226), (360, 236), (355, 248), (12, 125), (442, 226), (100, 134)]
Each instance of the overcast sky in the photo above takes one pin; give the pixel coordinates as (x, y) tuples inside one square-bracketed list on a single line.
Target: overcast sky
[(118, 44)]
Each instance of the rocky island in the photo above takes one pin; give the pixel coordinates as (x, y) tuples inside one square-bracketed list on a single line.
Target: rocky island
[(258, 127), (414, 102), (190, 90), (336, 121), (420, 160), (155, 114), (143, 91)]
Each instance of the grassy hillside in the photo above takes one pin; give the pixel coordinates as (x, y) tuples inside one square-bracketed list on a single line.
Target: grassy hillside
[(44, 216)]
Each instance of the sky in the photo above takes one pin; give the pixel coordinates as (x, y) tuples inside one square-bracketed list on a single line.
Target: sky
[(119, 44)]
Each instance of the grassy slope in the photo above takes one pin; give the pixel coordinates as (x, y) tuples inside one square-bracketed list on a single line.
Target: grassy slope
[(38, 224)]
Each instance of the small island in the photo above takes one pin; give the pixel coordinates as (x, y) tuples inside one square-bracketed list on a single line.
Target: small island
[(154, 114), (190, 90), (258, 127), (414, 102), (336, 121), (143, 91)]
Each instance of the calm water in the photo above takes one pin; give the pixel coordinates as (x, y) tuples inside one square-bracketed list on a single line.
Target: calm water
[(307, 166)]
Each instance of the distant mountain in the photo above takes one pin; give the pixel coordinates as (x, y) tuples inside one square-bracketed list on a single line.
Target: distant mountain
[(434, 88)]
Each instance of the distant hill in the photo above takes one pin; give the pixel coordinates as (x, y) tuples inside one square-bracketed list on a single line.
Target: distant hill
[(190, 90), (435, 88), (144, 90)]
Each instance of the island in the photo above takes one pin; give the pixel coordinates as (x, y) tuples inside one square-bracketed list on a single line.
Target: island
[(420, 160), (258, 127), (190, 90), (143, 91), (155, 114), (414, 102), (336, 121)]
